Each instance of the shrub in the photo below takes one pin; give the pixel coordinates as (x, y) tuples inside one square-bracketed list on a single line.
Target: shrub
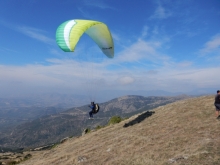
[(114, 120), (87, 130)]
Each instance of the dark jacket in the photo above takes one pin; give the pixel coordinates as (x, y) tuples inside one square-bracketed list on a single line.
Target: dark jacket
[(217, 99), (92, 106)]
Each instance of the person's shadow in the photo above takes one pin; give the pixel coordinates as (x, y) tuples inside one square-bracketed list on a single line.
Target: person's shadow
[(139, 119)]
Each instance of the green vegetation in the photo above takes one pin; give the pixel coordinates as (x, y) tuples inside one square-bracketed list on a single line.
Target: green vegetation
[(114, 120), (54, 146)]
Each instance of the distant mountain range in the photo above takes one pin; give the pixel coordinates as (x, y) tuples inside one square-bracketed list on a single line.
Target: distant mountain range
[(14, 111), (55, 126), (75, 100), (44, 100), (12, 116)]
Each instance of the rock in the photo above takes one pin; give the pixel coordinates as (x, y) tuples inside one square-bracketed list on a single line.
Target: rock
[(81, 159), (108, 150), (173, 160)]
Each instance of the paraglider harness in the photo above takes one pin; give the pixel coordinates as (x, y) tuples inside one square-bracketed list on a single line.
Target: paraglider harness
[(95, 109)]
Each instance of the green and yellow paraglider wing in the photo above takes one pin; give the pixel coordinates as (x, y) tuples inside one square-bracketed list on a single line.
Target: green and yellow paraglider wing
[(69, 33)]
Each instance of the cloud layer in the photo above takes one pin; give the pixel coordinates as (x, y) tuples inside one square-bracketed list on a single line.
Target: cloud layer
[(141, 66), (161, 46)]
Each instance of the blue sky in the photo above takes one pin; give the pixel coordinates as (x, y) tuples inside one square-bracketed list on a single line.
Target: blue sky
[(159, 45)]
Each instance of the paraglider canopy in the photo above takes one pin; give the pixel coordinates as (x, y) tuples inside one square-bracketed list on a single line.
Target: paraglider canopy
[(69, 33), (67, 36)]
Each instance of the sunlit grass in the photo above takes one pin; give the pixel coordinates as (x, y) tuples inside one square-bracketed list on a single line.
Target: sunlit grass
[(185, 132)]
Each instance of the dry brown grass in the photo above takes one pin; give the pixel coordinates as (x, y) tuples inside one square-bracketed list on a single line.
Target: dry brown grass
[(185, 132)]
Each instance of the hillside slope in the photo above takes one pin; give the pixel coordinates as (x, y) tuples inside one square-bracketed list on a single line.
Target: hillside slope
[(183, 132), (54, 127)]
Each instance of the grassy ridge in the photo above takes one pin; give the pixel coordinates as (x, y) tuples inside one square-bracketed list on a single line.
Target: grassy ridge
[(185, 132)]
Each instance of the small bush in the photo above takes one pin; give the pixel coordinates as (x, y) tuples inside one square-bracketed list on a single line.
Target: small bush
[(87, 130), (114, 120)]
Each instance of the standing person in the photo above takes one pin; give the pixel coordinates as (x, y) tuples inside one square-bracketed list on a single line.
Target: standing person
[(217, 104), (92, 106)]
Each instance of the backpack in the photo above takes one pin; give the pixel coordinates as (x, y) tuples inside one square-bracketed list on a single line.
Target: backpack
[(96, 109)]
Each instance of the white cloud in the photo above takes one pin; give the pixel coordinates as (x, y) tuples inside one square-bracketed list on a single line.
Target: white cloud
[(69, 75), (161, 13), (144, 32), (142, 50), (152, 72), (126, 80), (140, 66), (56, 52), (36, 34), (115, 36), (198, 78), (185, 64), (211, 46)]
